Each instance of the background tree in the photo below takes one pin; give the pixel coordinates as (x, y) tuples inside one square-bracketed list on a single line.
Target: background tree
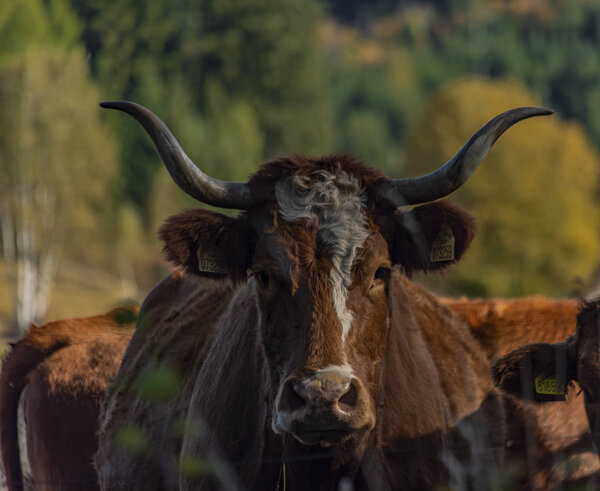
[(534, 196), (266, 53), (57, 160), (242, 81)]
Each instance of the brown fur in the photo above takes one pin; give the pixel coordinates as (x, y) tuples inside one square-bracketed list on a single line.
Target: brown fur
[(430, 219), (574, 361), (67, 366), (553, 433), (222, 235), (421, 410), (502, 324)]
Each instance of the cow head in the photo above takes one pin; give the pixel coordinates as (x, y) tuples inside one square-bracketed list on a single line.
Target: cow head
[(524, 372), (316, 244)]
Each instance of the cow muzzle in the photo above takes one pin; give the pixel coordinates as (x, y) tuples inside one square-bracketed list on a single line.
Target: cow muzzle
[(326, 407)]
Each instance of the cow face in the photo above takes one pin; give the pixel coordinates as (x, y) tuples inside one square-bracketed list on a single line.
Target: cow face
[(317, 259), (575, 359)]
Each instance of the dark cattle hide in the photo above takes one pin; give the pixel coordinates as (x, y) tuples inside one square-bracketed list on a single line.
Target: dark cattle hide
[(571, 366), (306, 357), (556, 435), (59, 372)]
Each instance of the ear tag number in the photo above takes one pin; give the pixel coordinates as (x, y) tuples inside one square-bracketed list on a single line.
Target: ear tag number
[(208, 262), (551, 386), (442, 248)]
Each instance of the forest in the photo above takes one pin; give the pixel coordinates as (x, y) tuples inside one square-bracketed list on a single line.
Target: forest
[(399, 84)]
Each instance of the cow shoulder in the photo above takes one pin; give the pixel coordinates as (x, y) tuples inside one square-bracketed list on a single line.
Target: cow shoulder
[(458, 356), (177, 323)]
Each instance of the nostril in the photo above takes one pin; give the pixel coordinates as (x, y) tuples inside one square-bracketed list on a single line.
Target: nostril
[(348, 400)]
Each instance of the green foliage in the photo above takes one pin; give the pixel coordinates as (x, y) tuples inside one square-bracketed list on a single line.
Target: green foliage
[(50, 146), (242, 66), (125, 318), (132, 439), (192, 466), (265, 53), (57, 162), (33, 23), (534, 196), (551, 46), (241, 81), (162, 384)]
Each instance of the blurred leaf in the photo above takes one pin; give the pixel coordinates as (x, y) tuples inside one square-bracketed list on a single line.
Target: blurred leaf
[(196, 467), (161, 384), (125, 317), (185, 427), (132, 439)]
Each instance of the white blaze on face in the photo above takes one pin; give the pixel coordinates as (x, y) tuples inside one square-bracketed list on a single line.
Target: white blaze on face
[(344, 370), (336, 201)]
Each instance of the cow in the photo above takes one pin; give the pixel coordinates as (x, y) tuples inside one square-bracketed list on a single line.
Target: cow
[(307, 358), (501, 325), (571, 365), (559, 446), (59, 373)]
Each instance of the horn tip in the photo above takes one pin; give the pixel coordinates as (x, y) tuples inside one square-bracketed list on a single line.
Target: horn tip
[(121, 105)]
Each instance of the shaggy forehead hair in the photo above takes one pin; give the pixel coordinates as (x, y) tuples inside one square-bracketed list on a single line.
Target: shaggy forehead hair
[(336, 203)]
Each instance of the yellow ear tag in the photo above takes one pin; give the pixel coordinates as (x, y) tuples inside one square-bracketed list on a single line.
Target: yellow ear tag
[(550, 386), (209, 263), (442, 248)]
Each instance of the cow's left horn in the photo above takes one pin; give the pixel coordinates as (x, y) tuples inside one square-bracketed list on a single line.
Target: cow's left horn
[(459, 168), (187, 176)]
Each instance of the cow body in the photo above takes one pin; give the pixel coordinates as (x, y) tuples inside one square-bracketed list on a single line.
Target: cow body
[(60, 372), (571, 363), (555, 436), (424, 417), (501, 325), (306, 357)]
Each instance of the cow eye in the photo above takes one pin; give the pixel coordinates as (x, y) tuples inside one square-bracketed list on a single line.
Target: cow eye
[(263, 279), (380, 275)]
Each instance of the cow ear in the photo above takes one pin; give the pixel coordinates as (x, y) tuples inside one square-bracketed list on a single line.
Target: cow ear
[(536, 372), (207, 243), (430, 237)]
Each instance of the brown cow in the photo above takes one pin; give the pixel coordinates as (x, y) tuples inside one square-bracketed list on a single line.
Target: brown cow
[(306, 360), (503, 324), (570, 365), (557, 435), (60, 371)]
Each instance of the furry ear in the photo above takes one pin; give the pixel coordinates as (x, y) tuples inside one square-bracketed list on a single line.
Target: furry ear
[(536, 372), (430, 237), (207, 243)]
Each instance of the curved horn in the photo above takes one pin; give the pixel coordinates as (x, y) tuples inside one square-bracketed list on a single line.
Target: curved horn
[(185, 173), (459, 168)]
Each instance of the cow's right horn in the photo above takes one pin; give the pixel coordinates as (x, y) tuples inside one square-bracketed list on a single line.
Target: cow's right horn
[(454, 173), (186, 174)]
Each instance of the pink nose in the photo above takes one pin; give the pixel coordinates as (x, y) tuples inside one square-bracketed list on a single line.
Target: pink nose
[(320, 406), (325, 390)]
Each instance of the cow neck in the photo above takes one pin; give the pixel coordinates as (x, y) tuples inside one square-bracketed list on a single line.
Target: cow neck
[(410, 384), (412, 414), (299, 467)]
